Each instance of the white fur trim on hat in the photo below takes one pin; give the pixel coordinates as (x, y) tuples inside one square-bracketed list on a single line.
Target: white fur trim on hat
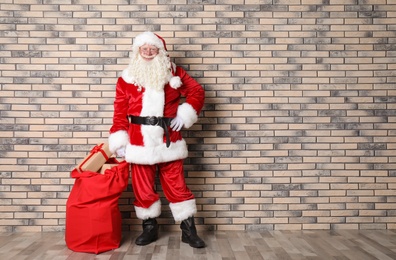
[(183, 210), (151, 212), (148, 38), (175, 82)]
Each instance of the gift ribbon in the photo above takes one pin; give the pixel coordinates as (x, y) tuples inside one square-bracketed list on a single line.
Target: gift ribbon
[(97, 148)]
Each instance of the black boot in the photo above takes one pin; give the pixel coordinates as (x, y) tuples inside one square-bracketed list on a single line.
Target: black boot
[(189, 233), (150, 232)]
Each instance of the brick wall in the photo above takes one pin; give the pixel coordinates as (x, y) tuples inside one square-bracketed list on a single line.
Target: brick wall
[(298, 130)]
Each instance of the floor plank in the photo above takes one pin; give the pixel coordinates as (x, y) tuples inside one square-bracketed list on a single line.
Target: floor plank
[(221, 245)]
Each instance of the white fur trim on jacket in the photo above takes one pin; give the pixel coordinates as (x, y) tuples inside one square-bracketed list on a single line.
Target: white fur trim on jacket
[(183, 210), (156, 154), (188, 114), (117, 140), (152, 212)]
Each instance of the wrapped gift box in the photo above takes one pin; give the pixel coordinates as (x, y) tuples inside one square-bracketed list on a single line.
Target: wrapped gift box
[(110, 164), (107, 166), (95, 159)]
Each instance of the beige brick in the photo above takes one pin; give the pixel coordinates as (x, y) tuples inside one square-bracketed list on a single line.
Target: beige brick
[(288, 227), (316, 226), (286, 200), (315, 213), (232, 227)]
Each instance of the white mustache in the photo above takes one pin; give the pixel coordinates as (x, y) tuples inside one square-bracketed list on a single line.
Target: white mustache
[(147, 56)]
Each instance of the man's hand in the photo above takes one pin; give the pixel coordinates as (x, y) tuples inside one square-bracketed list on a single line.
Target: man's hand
[(177, 124)]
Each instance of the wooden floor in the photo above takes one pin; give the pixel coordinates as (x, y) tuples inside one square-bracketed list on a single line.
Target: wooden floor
[(225, 245)]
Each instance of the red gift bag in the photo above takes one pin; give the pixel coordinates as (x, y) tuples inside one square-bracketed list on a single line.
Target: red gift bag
[(93, 218)]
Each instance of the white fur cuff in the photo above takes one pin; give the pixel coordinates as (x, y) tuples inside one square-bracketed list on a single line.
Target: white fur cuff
[(183, 210), (188, 114), (152, 212), (117, 140)]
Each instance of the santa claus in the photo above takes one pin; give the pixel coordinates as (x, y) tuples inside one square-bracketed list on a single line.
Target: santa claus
[(148, 117)]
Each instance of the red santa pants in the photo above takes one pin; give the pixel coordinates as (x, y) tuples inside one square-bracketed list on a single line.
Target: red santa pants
[(171, 176)]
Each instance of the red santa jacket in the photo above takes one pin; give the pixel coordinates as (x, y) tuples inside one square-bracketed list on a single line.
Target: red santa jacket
[(146, 144)]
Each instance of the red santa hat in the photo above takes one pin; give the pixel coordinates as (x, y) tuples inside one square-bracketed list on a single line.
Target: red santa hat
[(157, 41)]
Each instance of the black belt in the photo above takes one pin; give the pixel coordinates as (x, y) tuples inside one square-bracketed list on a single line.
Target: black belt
[(163, 122)]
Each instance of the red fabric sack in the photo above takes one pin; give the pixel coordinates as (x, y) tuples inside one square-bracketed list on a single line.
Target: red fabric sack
[(93, 218)]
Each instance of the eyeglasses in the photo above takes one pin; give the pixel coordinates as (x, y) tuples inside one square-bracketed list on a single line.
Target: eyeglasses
[(149, 49)]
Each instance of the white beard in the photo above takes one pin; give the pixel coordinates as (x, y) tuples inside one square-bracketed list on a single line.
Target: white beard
[(152, 74)]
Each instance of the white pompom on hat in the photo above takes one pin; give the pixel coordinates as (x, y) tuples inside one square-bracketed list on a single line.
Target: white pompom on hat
[(157, 41)]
